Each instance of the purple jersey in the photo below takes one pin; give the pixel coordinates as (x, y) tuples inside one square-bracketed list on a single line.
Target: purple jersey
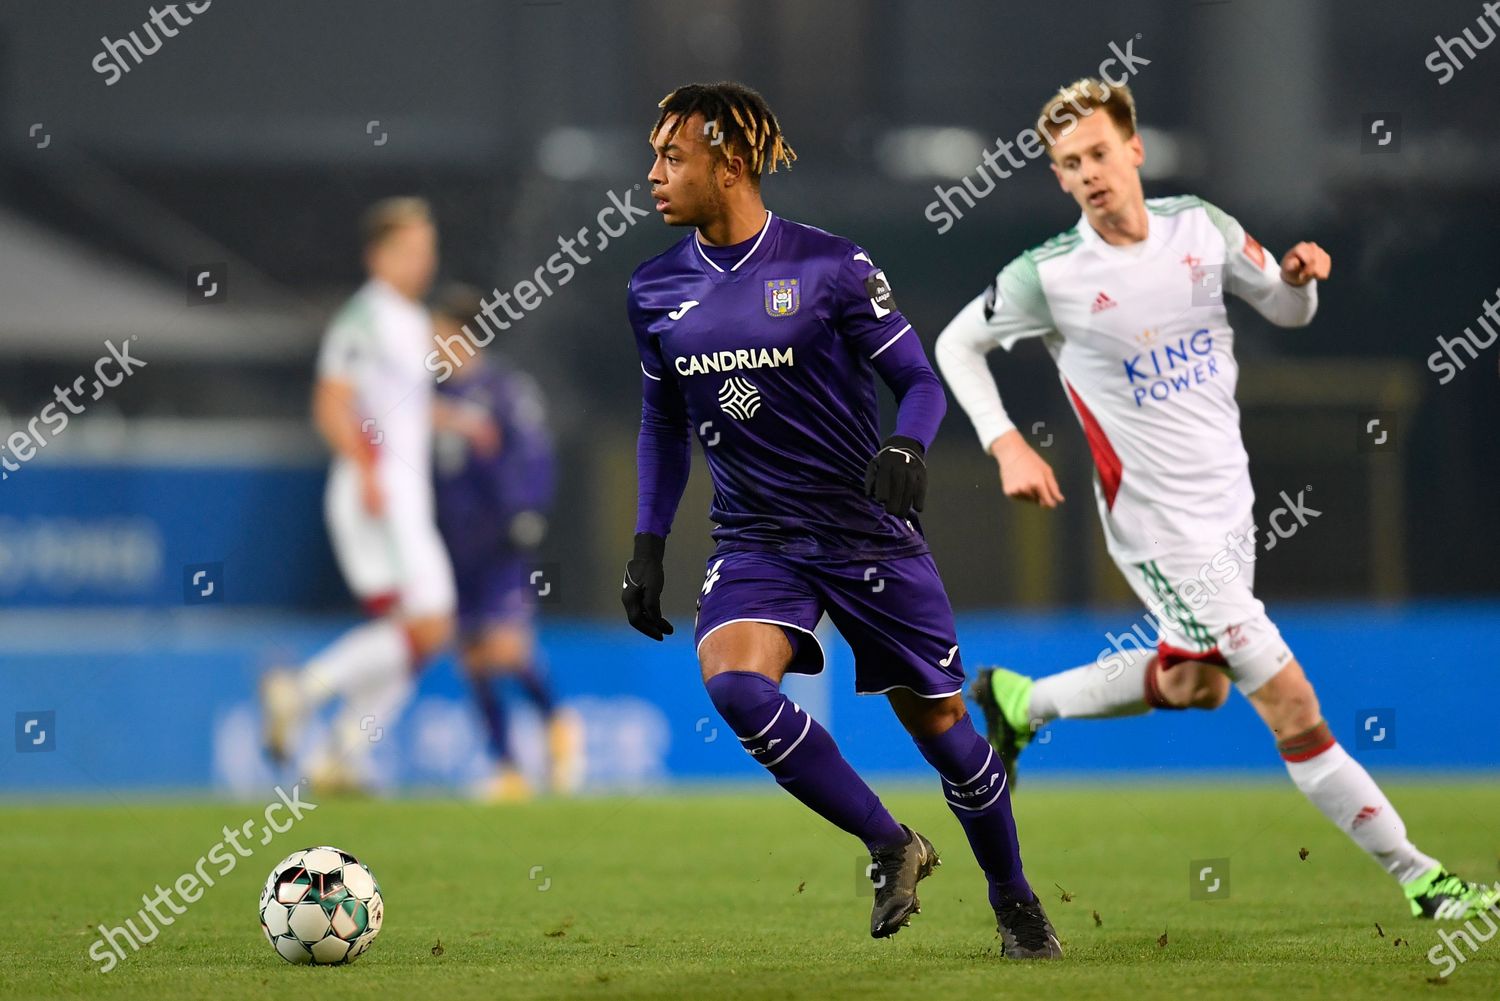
[(477, 495), (770, 360)]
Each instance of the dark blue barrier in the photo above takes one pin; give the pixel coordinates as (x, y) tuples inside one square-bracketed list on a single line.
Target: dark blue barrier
[(166, 700), (136, 535)]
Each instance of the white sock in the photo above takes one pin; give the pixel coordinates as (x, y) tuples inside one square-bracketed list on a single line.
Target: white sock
[(1115, 686), (369, 657), (1340, 787), (364, 720)]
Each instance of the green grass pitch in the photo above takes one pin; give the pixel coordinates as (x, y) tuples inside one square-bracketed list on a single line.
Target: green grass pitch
[(746, 895)]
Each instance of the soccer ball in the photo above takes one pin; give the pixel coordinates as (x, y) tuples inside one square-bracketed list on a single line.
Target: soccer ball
[(321, 905)]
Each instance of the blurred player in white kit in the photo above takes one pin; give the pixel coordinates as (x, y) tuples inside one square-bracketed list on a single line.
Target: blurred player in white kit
[(373, 405)]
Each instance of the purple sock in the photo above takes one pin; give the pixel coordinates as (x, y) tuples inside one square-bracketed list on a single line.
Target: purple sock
[(975, 787), (533, 681), (496, 724), (782, 736)]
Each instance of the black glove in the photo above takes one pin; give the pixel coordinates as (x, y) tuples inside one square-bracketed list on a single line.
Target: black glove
[(897, 475), (644, 580)]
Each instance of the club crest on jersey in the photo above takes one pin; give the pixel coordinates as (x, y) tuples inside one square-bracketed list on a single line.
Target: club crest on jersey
[(783, 296)]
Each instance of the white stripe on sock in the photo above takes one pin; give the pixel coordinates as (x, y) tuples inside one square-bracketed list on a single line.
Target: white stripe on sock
[(984, 768), (746, 740), (975, 809), (805, 727)]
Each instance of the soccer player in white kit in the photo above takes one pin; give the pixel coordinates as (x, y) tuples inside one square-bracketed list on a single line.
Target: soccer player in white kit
[(373, 405), (1129, 302)]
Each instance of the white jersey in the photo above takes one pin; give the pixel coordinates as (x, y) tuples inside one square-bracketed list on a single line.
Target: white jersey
[(377, 344), (1145, 352)]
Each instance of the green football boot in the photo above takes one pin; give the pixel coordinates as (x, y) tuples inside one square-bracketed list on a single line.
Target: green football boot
[(1004, 697), (1442, 896)]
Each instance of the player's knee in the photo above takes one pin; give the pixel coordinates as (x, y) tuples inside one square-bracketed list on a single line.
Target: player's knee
[(1190, 684), (741, 696), (429, 634), (745, 646), (507, 649), (1175, 687), (1212, 689), (711, 664), (926, 718)]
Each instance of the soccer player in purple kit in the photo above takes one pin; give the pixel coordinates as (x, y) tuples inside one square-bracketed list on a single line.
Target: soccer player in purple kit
[(494, 476), (763, 336)]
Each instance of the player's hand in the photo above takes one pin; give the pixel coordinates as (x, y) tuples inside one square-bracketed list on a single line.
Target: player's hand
[(482, 433), (370, 493), (1024, 475), (644, 580), (897, 475), (471, 422), (1304, 262)]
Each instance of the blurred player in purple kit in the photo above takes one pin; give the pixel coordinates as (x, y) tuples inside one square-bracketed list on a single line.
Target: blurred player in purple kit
[(764, 337), (495, 475)]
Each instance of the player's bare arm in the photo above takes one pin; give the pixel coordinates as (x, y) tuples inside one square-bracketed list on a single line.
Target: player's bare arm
[(338, 420)]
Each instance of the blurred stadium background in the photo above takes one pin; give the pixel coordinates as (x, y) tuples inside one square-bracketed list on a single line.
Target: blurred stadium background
[(247, 145)]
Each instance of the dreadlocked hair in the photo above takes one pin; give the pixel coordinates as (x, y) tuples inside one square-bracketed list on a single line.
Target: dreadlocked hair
[(733, 116)]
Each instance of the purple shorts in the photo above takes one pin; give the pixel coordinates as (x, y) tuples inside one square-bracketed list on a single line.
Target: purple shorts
[(894, 614), (493, 593)]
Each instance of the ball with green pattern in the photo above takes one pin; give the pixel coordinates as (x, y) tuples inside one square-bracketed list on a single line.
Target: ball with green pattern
[(321, 905)]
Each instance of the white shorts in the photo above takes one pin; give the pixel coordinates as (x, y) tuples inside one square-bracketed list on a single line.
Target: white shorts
[(397, 558), (1206, 609)]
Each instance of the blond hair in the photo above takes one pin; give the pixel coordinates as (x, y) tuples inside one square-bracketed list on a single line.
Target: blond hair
[(1085, 96), (390, 214)]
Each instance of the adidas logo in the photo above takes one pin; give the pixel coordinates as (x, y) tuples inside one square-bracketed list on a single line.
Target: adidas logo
[(1102, 302), (1364, 816)]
